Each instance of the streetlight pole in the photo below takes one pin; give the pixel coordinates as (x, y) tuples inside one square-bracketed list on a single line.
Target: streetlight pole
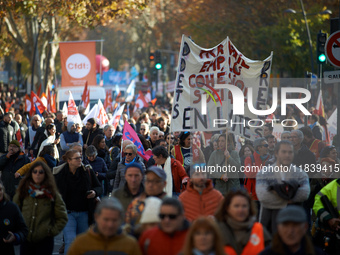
[(309, 38)]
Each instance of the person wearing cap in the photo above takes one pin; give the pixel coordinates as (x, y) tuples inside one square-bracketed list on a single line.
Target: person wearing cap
[(155, 182), (291, 237), (9, 164), (168, 237), (133, 187), (70, 136), (106, 236), (186, 152), (90, 131), (280, 185)]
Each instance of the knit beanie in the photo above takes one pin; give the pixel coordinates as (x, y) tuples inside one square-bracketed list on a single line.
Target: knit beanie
[(151, 210)]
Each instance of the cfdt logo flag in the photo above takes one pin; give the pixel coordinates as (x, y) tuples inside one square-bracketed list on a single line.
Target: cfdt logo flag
[(78, 63)]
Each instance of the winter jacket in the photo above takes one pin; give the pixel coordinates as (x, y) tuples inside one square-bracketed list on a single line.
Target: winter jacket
[(99, 166), (93, 242), (266, 180), (279, 248), (105, 155), (250, 182), (23, 170), (37, 214), (217, 159), (8, 167), (196, 204), (89, 135), (84, 181), (228, 236), (6, 136), (120, 173), (154, 241), (124, 195), (11, 220)]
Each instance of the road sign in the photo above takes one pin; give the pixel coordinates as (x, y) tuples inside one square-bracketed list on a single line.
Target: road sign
[(331, 77), (4, 76), (333, 49), (313, 80)]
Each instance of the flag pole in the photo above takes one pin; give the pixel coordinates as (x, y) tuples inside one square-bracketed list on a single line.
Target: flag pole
[(100, 63)]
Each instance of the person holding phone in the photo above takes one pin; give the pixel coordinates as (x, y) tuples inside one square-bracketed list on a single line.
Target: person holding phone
[(13, 229), (79, 187)]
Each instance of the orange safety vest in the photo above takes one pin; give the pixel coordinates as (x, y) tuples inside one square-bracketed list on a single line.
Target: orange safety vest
[(255, 244), (315, 148)]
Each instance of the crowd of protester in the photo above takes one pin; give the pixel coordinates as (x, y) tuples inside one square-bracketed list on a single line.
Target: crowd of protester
[(95, 188)]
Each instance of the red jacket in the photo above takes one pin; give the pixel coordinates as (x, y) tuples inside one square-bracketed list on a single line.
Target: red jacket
[(250, 181), (155, 242), (178, 174), (196, 205)]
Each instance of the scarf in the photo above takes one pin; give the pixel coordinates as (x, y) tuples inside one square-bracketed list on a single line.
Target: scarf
[(241, 229), (37, 191), (167, 169), (51, 162), (264, 157), (49, 140), (312, 125)]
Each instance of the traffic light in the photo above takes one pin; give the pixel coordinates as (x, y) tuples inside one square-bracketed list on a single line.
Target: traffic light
[(151, 56), (320, 47), (158, 60)]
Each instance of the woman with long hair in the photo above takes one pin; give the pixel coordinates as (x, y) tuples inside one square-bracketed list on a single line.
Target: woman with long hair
[(13, 230), (42, 207), (102, 150), (78, 187), (203, 238), (236, 218)]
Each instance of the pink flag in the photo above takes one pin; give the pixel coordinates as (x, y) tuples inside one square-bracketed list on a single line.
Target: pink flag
[(130, 134)]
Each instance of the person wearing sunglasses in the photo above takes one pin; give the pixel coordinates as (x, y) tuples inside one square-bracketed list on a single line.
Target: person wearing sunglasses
[(42, 207), (130, 153), (79, 187), (258, 159), (155, 182), (144, 130), (168, 238)]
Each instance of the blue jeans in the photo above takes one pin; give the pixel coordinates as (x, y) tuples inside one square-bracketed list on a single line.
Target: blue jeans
[(77, 224)]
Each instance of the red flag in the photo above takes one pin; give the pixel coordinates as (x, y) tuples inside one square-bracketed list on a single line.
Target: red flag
[(108, 101), (86, 96), (141, 101), (102, 118), (28, 105), (319, 109), (39, 90), (36, 100), (153, 101), (43, 99), (53, 104), (19, 139)]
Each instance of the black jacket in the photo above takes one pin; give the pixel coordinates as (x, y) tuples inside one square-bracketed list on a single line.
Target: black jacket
[(8, 167), (6, 136), (11, 220), (88, 136)]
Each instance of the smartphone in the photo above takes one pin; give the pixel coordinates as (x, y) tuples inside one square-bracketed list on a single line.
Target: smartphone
[(8, 237), (88, 192)]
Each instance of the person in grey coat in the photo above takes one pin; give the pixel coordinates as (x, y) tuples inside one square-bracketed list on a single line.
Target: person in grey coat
[(280, 185), (130, 153)]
